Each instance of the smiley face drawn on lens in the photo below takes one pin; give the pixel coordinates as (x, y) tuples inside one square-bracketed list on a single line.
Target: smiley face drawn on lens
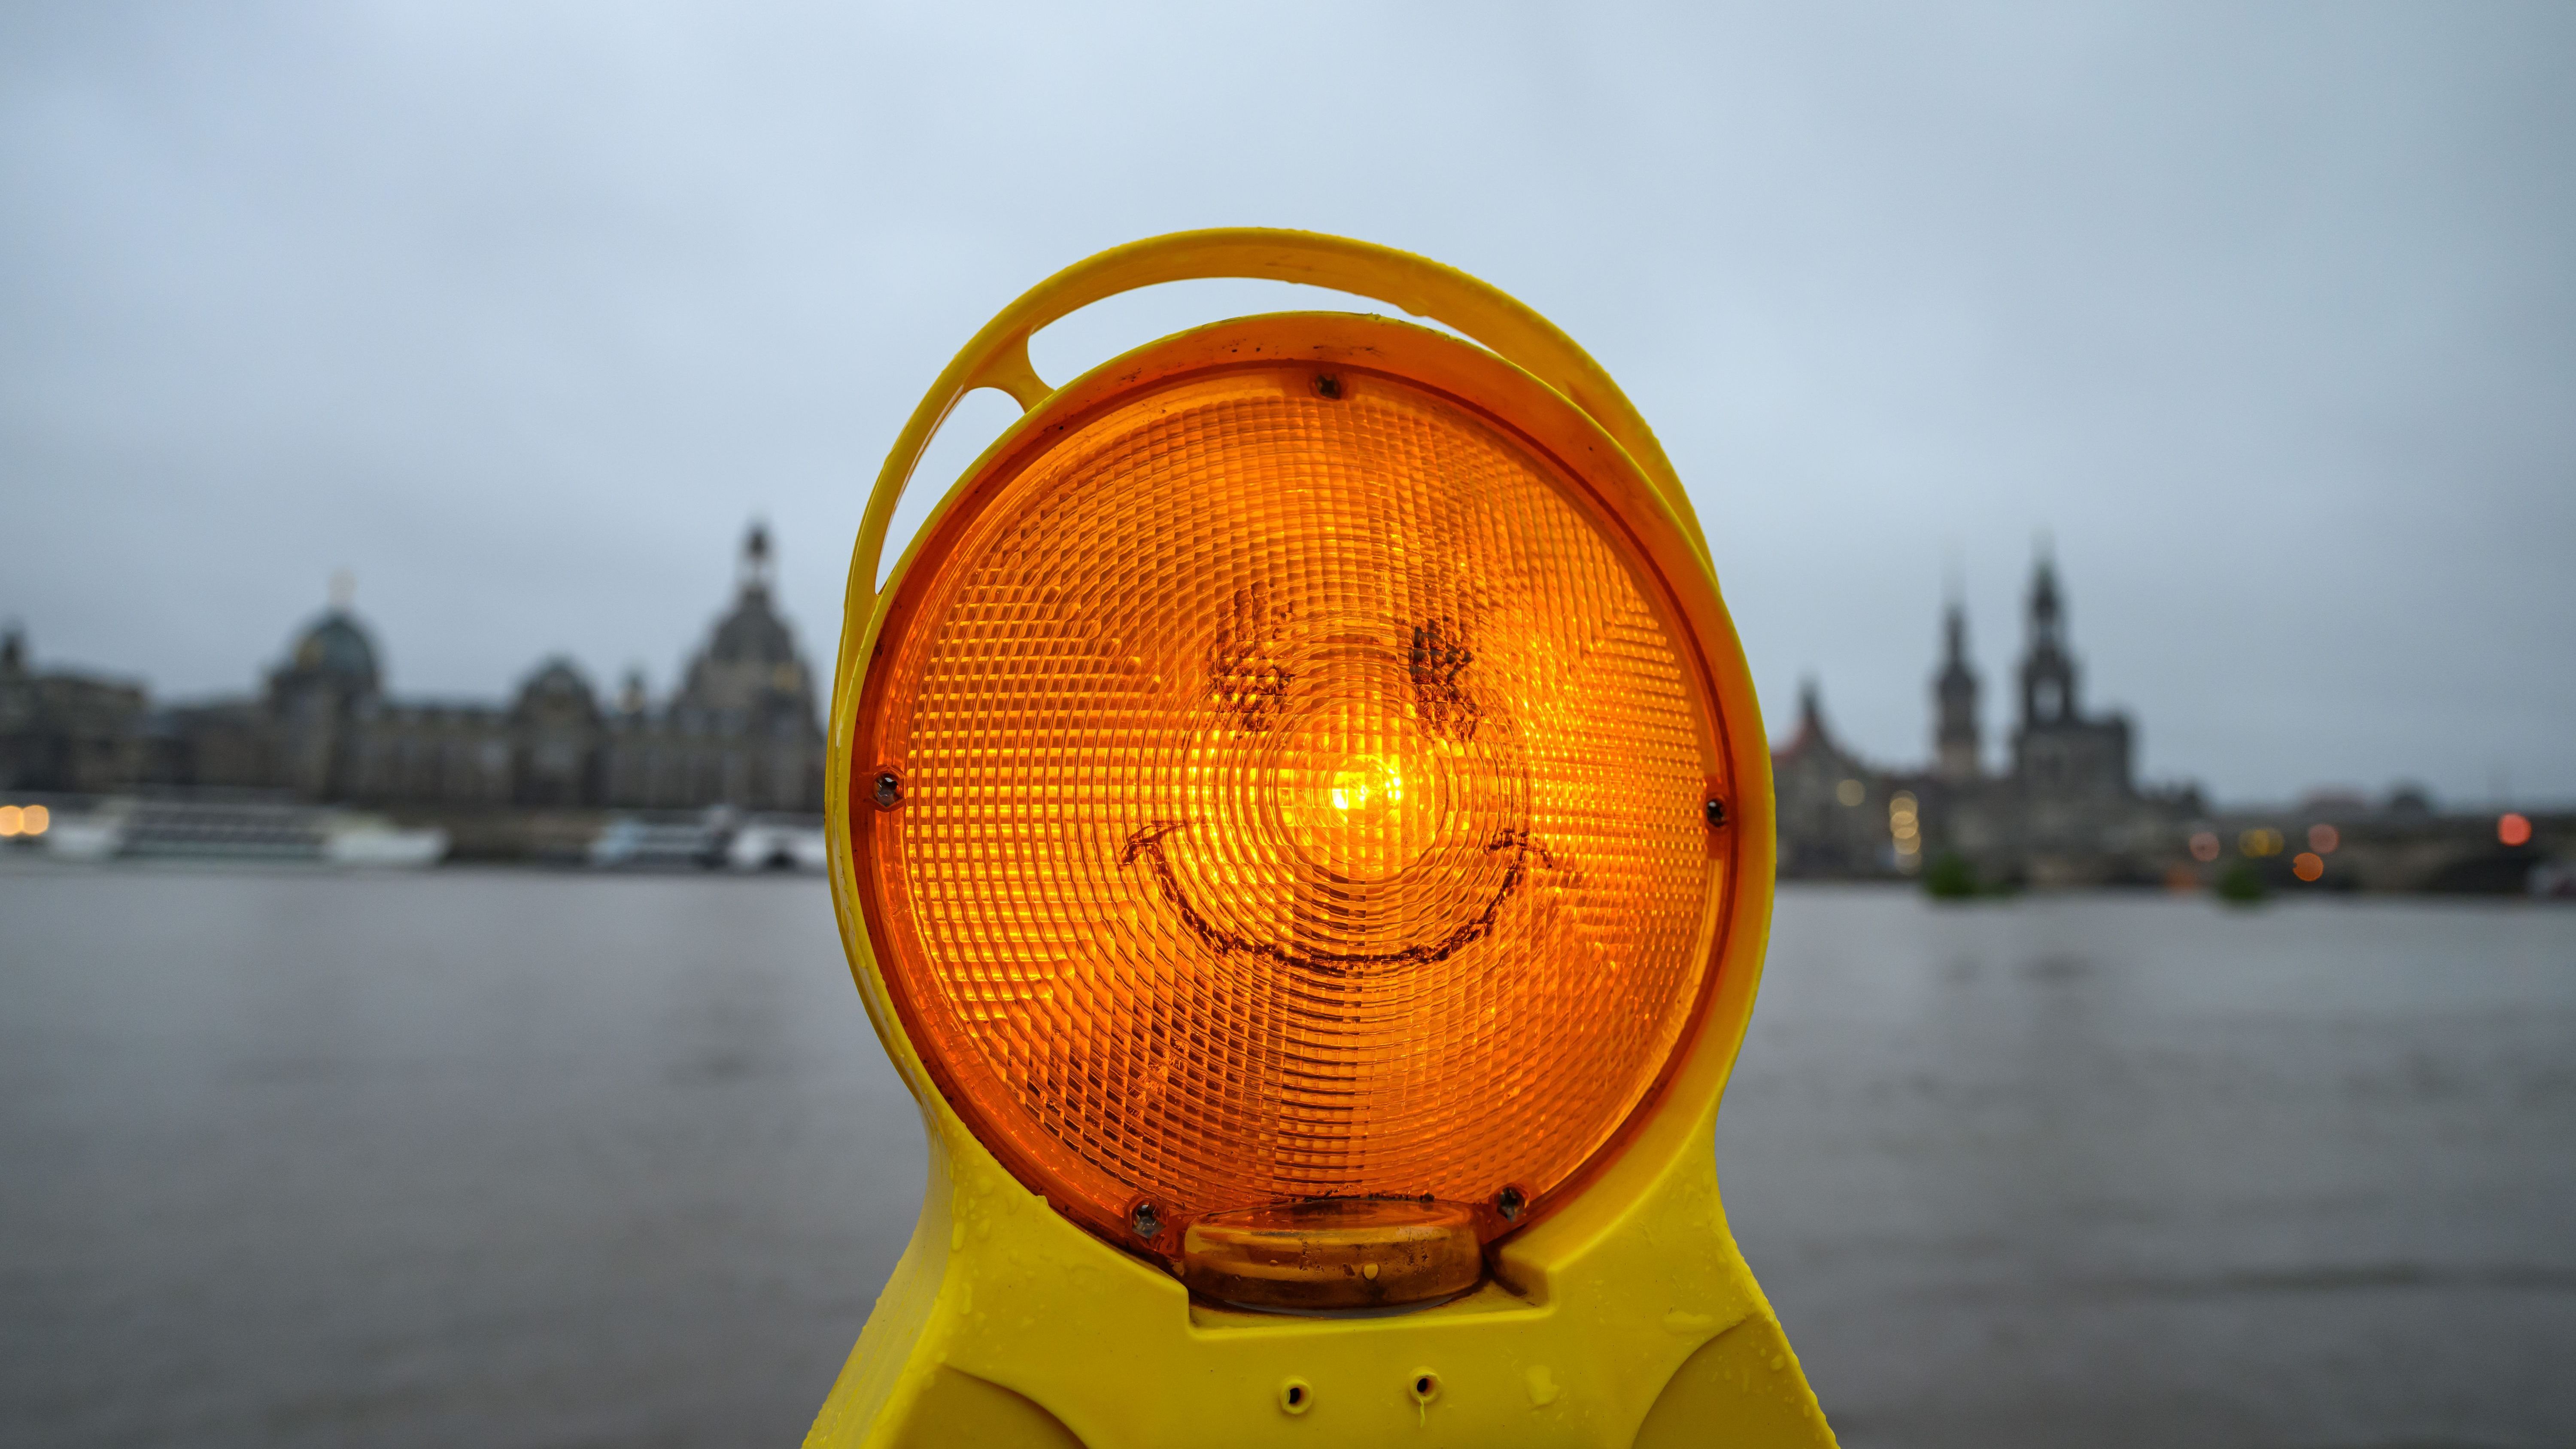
[(1357, 768)]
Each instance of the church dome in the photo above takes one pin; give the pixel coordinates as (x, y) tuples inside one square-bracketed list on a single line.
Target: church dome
[(557, 687), (752, 633), (337, 651), (749, 671)]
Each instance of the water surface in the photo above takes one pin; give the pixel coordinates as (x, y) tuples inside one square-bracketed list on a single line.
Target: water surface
[(529, 1159)]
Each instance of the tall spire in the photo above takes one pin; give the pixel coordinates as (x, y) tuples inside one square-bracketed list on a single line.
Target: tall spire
[(2048, 669), (2047, 610), (755, 557), (1955, 748)]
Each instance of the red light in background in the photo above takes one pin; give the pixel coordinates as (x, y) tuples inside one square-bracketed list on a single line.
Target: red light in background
[(2514, 829)]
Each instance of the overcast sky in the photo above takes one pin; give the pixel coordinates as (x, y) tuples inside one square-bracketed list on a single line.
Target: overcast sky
[(2265, 315)]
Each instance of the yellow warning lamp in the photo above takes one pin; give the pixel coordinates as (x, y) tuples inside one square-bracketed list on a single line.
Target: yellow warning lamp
[(1302, 828)]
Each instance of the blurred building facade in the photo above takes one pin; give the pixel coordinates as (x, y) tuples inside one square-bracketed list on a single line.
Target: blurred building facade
[(1832, 805), (2065, 810), (66, 733), (742, 730)]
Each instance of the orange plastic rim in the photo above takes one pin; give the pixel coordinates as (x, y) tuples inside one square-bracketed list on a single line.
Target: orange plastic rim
[(1285, 773)]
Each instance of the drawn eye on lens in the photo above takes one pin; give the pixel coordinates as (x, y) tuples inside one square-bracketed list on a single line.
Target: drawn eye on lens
[(1438, 659), (1246, 674)]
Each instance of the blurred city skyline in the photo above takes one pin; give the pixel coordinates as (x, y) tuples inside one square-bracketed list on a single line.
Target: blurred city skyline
[(2262, 318)]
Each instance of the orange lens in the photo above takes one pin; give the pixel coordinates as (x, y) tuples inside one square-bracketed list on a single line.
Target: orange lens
[(1277, 784)]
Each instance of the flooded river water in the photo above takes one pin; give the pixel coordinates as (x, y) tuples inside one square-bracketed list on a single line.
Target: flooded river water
[(526, 1159)]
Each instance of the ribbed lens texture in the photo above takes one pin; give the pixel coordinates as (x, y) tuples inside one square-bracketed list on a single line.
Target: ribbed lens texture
[(1302, 796)]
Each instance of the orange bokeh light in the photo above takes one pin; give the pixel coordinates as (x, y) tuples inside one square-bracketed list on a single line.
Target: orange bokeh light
[(2308, 865), (2514, 829), (1303, 791)]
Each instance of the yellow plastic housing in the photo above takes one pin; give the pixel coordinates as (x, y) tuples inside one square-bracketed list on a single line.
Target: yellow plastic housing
[(1617, 1311)]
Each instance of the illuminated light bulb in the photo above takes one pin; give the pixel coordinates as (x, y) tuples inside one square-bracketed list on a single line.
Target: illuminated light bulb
[(1367, 782)]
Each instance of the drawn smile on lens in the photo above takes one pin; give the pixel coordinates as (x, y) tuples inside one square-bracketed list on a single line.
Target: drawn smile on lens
[(1147, 845)]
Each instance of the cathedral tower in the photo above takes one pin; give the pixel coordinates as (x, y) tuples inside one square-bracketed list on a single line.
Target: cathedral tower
[(1954, 691), (2060, 754), (2048, 670)]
